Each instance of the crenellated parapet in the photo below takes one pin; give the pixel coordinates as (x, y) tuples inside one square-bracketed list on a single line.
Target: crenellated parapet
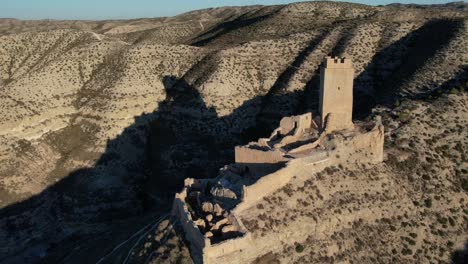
[(338, 62)]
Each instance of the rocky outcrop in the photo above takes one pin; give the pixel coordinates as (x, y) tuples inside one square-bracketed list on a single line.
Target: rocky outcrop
[(222, 192)]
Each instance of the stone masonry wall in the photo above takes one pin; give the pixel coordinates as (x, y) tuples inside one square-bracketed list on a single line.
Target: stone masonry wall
[(192, 233), (211, 252), (365, 147), (201, 248), (272, 182), (247, 155)]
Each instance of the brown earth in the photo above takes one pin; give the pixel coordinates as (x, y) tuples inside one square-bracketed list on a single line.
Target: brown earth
[(101, 120)]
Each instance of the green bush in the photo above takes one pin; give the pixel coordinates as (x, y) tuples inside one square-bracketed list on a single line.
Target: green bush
[(407, 251), (299, 248), (465, 184), (428, 202)]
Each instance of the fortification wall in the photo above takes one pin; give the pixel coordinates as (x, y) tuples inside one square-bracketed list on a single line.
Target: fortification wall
[(272, 182), (365, 147), (247, 155), (264, 186), (297, 124), (192, 233), (211, 252), (201, 248), (307, 147)]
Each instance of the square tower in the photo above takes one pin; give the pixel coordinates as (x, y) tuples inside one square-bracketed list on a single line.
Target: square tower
[(336, 91)]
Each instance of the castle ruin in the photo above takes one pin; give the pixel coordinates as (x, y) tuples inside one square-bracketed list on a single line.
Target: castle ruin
[(210, 210)]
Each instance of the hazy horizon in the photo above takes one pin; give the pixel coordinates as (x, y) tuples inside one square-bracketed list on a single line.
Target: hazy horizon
[(119, 9)]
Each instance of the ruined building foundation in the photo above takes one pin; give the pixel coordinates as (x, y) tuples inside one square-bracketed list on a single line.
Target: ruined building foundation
[(209, 209)]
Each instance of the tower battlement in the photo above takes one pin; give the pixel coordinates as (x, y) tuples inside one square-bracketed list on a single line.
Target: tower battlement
[(337, 62)]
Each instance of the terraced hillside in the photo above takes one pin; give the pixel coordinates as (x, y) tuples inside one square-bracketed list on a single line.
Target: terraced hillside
[(102, 120)]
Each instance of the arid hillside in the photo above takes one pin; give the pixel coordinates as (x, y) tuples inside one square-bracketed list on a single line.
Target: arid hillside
[(102, 120)]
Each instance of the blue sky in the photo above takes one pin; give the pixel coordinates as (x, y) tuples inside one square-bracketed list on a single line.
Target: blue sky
[(106, 9)]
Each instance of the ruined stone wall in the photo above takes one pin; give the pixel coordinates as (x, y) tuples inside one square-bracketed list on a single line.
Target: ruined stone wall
[(264, 186), (201, 248), (365, 147), (304, 123), (307, 147), (247, 155), (211, 252), (297, 124), (258, 162), (272, 182), (192, 233)]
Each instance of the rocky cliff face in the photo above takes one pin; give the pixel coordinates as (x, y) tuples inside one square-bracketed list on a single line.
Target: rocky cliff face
[(101, 118)]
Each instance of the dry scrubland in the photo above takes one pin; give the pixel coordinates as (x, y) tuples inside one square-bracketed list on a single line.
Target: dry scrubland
[(97, 117)]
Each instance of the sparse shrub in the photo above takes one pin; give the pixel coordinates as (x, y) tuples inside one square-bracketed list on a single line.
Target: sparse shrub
[(299, 248), (428, 202), (403, 116), (407, 251), (451, 221), (442, 220), (465, 184), (410, 241)]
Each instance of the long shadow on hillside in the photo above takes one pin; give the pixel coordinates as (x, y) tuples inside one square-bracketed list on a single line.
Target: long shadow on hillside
[(454, 85), (272, 101), (86, 214), (187, 139), (382, 80), (460, 256), (224, 28)]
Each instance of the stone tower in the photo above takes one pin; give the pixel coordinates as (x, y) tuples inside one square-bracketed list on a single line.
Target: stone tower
[(336, 92)]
